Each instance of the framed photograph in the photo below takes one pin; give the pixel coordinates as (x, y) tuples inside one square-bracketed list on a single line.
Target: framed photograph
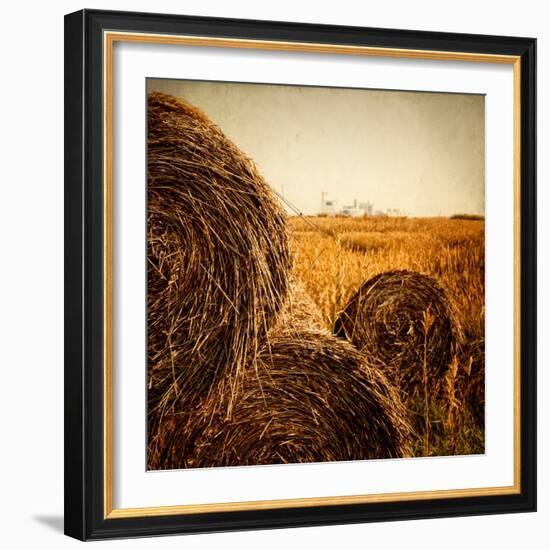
[(300, 282)]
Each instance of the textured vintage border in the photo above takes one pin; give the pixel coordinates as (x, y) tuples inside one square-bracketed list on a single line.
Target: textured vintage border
[(109, 39)]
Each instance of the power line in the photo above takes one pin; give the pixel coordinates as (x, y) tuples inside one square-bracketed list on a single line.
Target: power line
[(299, 213)]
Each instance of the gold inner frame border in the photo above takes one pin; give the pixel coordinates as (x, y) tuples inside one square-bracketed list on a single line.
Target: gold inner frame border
[(109, 39)]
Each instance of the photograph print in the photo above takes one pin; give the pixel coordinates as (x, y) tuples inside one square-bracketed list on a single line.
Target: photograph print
[(315, 274)]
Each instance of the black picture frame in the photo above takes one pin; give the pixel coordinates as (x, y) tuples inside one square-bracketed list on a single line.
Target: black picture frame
[(85, 517)]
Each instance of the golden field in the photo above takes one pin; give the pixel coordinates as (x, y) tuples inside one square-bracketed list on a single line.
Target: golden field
[(334, 256)]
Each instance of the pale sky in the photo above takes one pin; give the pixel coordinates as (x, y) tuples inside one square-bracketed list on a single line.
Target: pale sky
[(422, 153)]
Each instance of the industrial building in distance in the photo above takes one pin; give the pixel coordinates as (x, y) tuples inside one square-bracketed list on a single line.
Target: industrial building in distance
[(330, 207)]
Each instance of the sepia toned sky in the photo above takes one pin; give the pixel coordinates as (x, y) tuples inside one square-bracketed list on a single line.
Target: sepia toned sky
[(421, 153)]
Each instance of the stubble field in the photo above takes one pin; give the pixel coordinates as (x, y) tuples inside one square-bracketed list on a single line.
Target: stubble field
[(334, 256)]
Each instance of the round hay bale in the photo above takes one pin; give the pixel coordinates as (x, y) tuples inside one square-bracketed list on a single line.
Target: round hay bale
[(217, 254), (400, 318), (312, 398)]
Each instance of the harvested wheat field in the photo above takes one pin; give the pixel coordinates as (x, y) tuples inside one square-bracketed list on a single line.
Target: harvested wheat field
[(336, 257)]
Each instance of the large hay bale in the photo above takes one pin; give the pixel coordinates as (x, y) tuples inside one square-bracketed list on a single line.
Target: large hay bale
[(217, 252), (311, 398), (401, 319)]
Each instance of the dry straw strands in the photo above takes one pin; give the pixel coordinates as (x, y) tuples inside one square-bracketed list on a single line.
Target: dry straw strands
[(312, 398), (218, 255), (472, 380), (405, 323), (300, 311), (240, 371)]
